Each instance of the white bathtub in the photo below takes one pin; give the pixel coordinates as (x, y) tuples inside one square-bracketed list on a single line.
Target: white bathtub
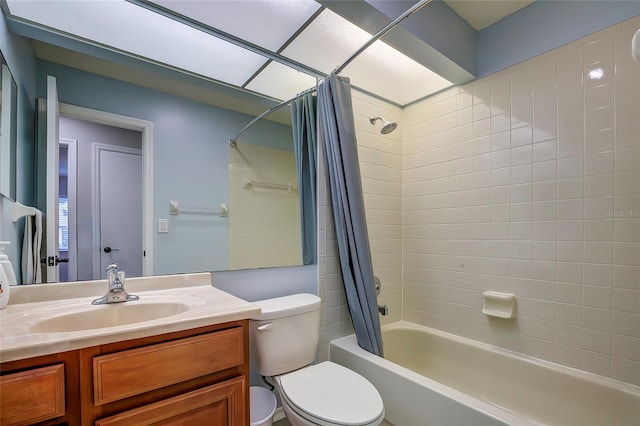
[(432, 377)]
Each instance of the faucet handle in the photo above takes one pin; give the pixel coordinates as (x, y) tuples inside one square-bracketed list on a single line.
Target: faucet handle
[(111, 267)]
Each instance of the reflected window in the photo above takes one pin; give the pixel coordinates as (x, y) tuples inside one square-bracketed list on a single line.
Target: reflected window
[(63, 224)]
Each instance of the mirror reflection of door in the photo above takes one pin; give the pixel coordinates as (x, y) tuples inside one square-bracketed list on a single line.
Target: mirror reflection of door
[(118, 191), (103, 207)]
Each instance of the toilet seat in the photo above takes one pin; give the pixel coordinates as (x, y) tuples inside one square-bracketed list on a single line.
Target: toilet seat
[(329, 394)]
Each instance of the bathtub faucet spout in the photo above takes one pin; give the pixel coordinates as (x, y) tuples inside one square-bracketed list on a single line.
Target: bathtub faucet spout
[(383, 309)]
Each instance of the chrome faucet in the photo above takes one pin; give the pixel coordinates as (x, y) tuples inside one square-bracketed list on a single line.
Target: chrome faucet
[(116, 292)]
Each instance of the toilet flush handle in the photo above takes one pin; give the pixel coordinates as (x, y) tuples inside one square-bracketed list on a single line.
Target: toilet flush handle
[(265, 327)]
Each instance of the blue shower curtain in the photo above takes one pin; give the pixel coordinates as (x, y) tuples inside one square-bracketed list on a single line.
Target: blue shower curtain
[(337, 130), (303, 121)]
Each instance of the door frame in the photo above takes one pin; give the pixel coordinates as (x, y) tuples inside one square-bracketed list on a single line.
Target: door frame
[(72, 186), (146, 128)]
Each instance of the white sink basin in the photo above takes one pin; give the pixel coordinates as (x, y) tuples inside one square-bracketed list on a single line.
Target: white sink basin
[(111, 315)]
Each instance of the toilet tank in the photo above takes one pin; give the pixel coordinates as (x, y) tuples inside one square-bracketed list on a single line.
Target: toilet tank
[(284, 337)]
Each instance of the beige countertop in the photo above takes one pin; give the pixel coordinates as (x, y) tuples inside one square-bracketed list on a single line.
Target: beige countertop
[(203, 305)]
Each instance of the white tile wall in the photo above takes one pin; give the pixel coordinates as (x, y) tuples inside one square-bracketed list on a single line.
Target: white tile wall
[(267, 239), (381, 169), (528, 182)]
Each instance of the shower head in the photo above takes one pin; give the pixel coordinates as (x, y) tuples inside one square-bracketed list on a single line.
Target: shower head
[(387, 126)]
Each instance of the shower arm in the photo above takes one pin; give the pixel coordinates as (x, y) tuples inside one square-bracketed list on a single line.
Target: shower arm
[(391, 25)]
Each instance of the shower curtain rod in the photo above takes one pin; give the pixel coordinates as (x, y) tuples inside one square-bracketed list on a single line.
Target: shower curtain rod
[(413, 9), (233, 143)]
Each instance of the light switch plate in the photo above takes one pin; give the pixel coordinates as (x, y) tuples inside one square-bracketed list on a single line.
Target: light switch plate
[(163, 226)]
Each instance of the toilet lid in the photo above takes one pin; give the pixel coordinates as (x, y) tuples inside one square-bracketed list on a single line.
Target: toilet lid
[(333, 394)]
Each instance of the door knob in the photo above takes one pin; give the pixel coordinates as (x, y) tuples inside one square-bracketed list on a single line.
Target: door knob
[(109, 249)]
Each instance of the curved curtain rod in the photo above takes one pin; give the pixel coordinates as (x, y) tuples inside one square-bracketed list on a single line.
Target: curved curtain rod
[(391, 25), (233, 141)]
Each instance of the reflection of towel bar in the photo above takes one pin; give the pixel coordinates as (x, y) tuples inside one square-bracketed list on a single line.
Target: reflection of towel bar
[(257, 184), (174, 208), (20, 211)]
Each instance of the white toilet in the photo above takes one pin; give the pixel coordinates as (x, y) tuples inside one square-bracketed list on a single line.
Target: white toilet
[(284, 340)]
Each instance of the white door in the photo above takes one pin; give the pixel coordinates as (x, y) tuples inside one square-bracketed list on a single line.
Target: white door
[(118, 187), (50, 248)]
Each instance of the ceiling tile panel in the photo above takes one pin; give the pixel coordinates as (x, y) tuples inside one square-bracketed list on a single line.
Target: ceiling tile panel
[(382, 70), (281, 82), (136, 30), (266, 23), (327, 42)]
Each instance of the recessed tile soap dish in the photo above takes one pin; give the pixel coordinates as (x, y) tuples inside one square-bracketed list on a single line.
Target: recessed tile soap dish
[(500, 305)]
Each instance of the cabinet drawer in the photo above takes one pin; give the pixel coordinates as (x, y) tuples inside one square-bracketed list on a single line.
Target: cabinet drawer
[(132, 372), (217, 405), (32, 396)]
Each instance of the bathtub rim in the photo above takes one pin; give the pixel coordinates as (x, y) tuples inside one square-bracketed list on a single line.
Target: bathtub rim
[(565, 369), (350, 344)]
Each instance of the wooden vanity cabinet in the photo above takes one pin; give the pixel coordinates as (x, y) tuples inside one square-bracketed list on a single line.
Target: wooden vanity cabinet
[(42, 390), (198, 376), (161, 375)]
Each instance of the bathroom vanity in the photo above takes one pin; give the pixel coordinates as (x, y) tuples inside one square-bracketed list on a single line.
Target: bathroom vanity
[(189, 367)]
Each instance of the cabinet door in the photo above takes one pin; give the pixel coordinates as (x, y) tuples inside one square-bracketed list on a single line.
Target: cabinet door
[(31, 396), (132, 372), (216, 405)]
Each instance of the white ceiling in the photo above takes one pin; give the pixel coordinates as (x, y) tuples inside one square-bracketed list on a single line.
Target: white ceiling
[(275, 48), (302, 38), (482, 13)]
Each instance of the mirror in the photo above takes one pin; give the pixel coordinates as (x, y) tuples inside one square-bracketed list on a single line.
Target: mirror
[(194, 171), (8, 131)]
